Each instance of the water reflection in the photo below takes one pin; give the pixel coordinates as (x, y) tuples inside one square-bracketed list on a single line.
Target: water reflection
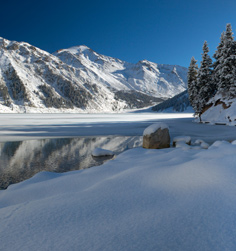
[(21, 160)]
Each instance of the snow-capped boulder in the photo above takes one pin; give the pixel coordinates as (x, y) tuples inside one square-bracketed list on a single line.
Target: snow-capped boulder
[(185, 139), (99, 152), (156, 136)]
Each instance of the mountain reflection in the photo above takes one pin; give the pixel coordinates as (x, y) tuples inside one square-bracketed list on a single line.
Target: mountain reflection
[(21, 160)]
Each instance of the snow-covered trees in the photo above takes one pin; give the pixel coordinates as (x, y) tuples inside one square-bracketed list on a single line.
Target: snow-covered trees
[(217, 78), (217, 65), (205, 89), (192, 79), (200, 86), (226, 64)]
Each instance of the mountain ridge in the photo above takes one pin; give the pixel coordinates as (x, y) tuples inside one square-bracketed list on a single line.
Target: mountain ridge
[(79, 79)]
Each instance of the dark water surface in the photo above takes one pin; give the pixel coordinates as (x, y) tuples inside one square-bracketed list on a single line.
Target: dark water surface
[(22, 159)]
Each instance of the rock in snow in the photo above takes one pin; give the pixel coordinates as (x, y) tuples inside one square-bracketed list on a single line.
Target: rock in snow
[(156, 136), (185, 139), (99, 152), (79, 79)]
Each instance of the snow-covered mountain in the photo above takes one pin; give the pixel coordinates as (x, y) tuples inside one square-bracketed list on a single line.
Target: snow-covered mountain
[(80, 80), (178, 103)]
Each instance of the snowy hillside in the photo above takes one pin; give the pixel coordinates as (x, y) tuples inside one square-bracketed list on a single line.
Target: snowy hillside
[(80, 80), (179, 103), (220, 111)]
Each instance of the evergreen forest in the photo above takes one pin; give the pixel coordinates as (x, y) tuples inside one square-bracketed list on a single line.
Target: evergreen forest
[(214, 78)]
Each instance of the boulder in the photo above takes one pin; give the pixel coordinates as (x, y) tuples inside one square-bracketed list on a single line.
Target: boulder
[(156, 136)]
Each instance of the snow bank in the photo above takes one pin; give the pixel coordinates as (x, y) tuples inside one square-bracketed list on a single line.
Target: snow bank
[(154, 127), (169, 199), (221, 112)]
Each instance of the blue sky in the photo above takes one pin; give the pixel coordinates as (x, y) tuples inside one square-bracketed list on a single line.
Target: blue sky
[(162, 31)]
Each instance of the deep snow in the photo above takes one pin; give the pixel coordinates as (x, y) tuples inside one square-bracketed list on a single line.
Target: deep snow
[(169, 199)]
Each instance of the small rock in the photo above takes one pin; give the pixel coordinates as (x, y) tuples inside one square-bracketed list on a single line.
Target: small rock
[(185, 139), (99, 152), (182, 144), (202, 143)]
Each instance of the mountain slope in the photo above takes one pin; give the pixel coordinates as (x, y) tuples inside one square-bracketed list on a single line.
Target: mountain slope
[(178, 103), (80, 80), (147, 77)]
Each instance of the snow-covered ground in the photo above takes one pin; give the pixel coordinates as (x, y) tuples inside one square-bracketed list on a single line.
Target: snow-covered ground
[(169, 199)]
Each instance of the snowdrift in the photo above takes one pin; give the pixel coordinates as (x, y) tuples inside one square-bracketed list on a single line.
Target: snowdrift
[(169, 199)]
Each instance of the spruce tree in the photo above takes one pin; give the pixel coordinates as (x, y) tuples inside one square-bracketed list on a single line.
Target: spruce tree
[(227, 72), (232, 62), (204, 87), (217, 65), (192, 79)]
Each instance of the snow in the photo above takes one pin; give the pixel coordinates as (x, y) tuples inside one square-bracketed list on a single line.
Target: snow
[(34, 126), (145, 76), (170, 199), (217, 114), (14, 127), (154, 127), (100, 152)]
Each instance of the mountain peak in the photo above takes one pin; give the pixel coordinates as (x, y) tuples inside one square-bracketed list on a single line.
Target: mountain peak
[(75, 49)]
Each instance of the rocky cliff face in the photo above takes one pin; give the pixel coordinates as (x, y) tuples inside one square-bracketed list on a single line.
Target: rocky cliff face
[(80, 80)]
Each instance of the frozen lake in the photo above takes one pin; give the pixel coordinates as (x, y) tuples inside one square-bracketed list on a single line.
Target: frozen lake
[(30, 143), (16, 127)]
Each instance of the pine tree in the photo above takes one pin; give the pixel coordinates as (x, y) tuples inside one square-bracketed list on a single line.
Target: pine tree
[(217, 65), (204, 87), (232, 61), (226, 68), (192, 79)]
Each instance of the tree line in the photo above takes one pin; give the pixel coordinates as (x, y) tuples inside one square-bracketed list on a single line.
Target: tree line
[(213, 78)]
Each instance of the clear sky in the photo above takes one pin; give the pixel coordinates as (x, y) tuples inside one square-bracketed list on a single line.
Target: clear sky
[(162, 31)]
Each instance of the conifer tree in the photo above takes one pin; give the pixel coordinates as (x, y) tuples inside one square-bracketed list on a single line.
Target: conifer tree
[(204, 87), (217, 65), (227, 72), (232, 61), (192, 79)]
